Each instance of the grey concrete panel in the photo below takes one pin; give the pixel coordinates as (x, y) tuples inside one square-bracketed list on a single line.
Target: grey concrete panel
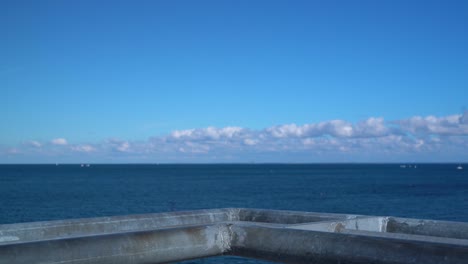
[(282, 236), (157, 246), (106, 225), (374, 224), (302, 246), (428, 227), (285, 217)]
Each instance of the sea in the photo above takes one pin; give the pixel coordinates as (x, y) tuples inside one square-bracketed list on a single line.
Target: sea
[(49, 192)]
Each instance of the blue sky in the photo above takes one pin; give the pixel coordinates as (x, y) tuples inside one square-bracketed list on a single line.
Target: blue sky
[(233, 81)]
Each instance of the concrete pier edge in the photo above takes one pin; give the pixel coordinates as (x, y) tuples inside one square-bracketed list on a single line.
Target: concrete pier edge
[(280, 236)]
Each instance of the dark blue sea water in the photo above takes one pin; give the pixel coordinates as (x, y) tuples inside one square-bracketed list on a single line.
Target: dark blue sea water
[(47, 192)]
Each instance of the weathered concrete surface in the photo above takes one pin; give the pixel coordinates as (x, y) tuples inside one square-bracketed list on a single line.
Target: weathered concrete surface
[(304, 246), (361, 223), (159, 246), (24, 232), (428, 227), (282, 236), (285, 217)]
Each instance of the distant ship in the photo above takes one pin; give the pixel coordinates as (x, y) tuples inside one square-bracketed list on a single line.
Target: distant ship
[(459, 167)]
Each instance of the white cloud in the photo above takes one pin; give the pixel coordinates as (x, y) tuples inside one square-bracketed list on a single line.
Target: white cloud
[(309, 142), (372, 127), (34, 144), (84, 148), (250, 142), (182, 133), (464, 118), (123, 147), (284, 131), (372, 137), (209, 133), (59, 141), (13, 151), (337, 128), (443, 126), (117, 145), (190, 147)]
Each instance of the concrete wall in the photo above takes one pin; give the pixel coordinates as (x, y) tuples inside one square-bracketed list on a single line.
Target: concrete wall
[(282, 236)]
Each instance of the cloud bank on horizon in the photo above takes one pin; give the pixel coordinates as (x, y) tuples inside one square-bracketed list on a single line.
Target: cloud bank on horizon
[(418, 139)]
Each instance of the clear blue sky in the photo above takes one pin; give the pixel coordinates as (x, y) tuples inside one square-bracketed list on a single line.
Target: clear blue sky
[(100, 75)]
